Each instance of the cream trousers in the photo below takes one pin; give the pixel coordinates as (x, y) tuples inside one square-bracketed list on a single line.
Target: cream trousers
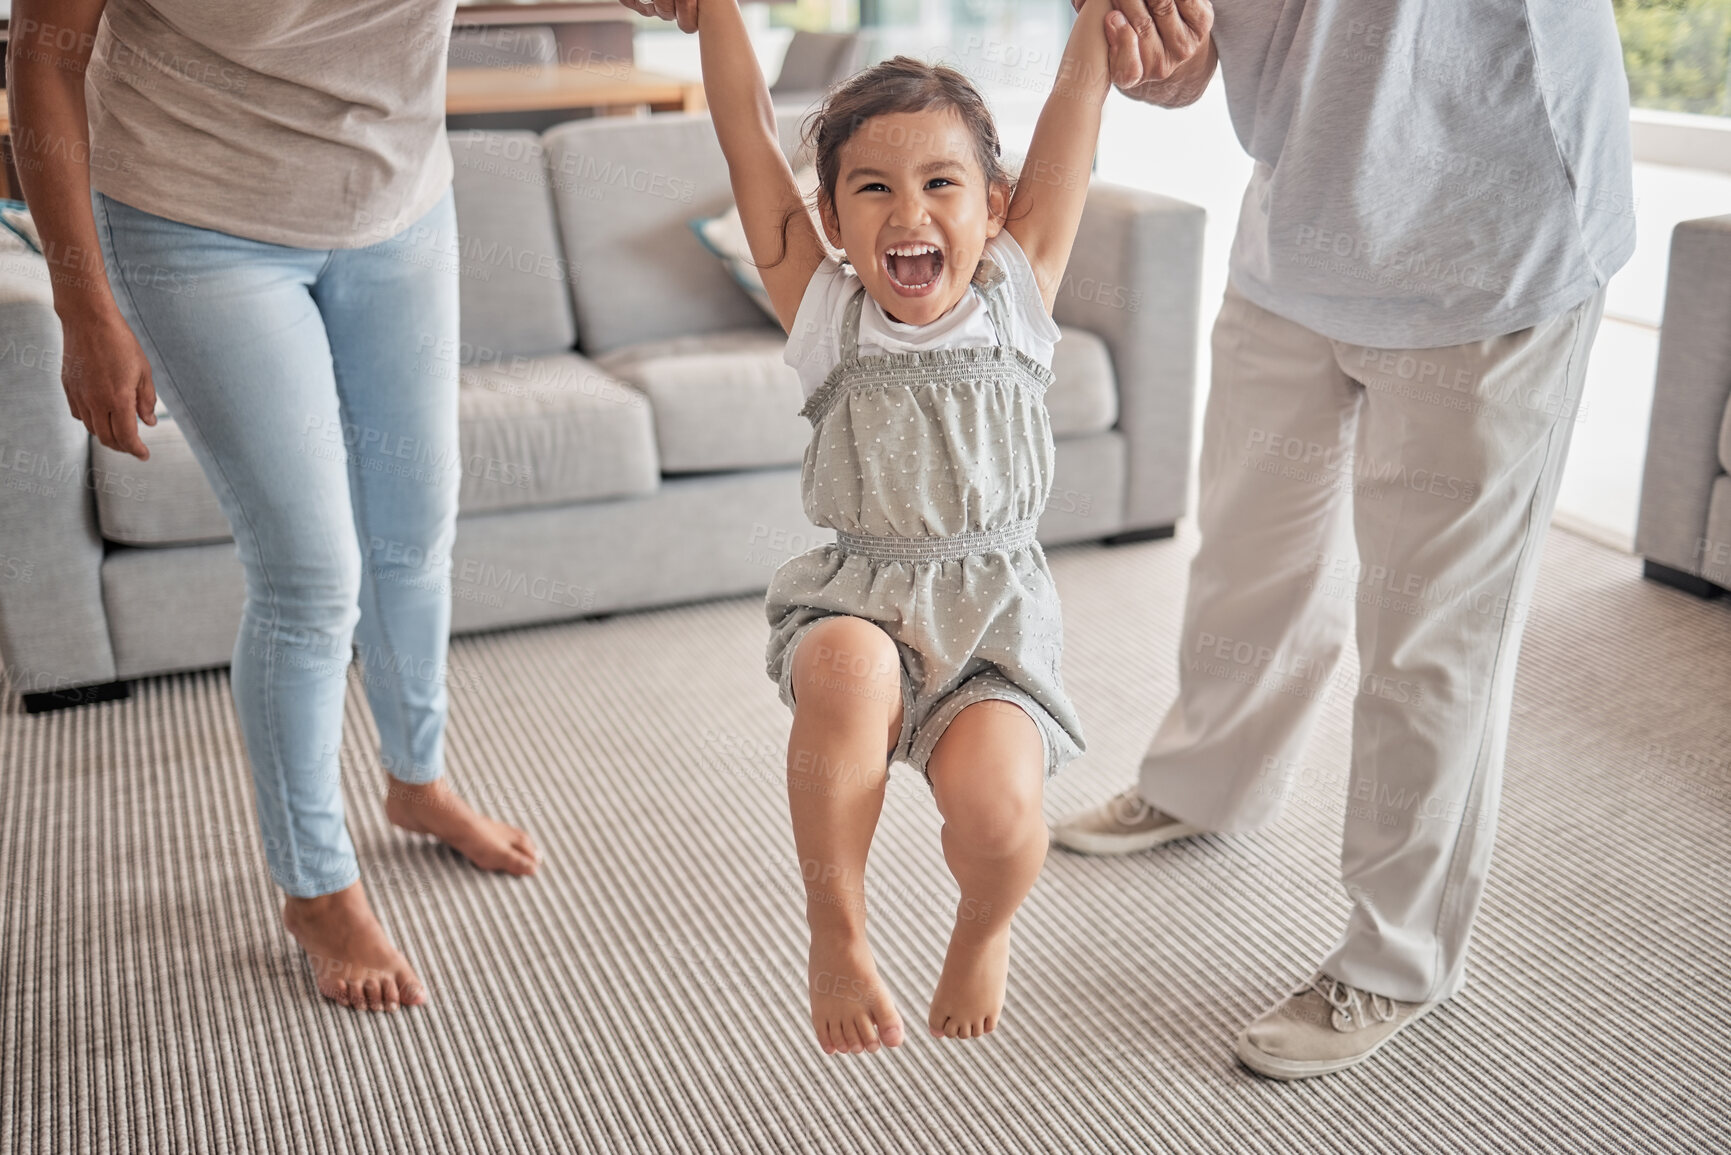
[(1407, 491)]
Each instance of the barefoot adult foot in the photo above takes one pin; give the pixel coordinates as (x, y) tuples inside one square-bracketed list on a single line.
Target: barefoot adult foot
[(434, 808), (851, 1009), (352, 958), (970, 995)]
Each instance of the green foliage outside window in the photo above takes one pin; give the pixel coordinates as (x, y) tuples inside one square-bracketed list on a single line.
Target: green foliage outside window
[(813, 15), (1677, 53)]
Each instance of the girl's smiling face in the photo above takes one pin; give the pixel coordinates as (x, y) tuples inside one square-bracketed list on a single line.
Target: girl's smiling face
[(913, 210)]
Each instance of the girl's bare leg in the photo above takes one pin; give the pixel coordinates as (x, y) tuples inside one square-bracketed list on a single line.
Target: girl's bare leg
[(848, 714), (988, 775)]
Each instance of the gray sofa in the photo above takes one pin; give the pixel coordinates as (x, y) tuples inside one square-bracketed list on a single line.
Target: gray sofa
[(1684, 531), (629, 434)]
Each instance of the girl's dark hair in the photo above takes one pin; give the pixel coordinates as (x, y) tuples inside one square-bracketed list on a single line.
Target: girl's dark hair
[(901, 84)]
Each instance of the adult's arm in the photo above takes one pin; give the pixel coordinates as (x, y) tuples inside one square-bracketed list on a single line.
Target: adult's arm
[(1161, 51), (104, 371)]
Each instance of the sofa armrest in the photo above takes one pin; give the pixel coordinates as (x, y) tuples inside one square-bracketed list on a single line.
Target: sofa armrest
[(53, 629), (1690, 394), (1134, 279)]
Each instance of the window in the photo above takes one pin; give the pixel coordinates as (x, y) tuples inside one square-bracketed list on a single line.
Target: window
[(1677, 54)]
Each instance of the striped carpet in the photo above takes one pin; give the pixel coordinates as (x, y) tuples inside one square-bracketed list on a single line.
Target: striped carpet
[(645, 992)]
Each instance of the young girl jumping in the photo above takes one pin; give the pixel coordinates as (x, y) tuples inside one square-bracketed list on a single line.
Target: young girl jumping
[(929, 633)]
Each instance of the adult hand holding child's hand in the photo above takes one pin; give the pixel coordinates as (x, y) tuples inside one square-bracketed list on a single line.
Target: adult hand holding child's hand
[(1159, 51), (682, 11)]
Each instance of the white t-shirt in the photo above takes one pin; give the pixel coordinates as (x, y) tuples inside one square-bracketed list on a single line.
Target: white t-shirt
[(814, 346)]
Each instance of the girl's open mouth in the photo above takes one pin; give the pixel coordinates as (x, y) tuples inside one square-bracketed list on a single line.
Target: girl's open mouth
[(913, 270)]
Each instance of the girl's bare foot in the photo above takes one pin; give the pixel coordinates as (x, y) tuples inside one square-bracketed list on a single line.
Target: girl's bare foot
[(434, 808), (970, 994), (352, 958), (851, 1009)]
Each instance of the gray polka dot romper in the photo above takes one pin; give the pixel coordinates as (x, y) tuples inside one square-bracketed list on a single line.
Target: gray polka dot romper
[(933, 467)]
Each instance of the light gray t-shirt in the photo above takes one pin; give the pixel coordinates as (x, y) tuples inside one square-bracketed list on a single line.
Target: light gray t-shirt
[(1428, 172), (313, 123)]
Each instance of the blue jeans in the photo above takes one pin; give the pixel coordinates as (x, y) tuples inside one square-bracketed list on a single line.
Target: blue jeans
[(318, 390)]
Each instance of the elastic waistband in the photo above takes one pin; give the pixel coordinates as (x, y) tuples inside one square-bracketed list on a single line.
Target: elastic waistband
[(1016, 535)]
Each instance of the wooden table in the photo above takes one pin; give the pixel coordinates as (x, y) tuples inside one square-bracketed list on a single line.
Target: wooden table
[(608, 87)]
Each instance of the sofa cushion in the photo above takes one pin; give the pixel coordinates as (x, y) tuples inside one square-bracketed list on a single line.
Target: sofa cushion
[(534, 431), (724, 236), (514, 281), (172, 609), (623, 192), (163, 501), (1725, 441), (1083, 398), (1087, 499), (1713, 548), (551, 431), (721, 400)]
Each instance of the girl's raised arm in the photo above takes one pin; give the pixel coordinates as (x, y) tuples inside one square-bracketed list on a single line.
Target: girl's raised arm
[(1053, 185), (784, 243)]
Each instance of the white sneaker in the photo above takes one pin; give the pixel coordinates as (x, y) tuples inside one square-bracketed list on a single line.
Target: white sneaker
[(1123, 824), (1322, 1027)]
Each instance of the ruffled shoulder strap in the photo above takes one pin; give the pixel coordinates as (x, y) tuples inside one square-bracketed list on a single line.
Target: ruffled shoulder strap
[(850, 326), (994, 285)]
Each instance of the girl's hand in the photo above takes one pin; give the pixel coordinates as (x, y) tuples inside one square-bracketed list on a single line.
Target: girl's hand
[(1150, 42), (107, 381), (684, 11)]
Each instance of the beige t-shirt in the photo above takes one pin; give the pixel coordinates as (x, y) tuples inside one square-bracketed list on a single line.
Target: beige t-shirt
[(313, 123)]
